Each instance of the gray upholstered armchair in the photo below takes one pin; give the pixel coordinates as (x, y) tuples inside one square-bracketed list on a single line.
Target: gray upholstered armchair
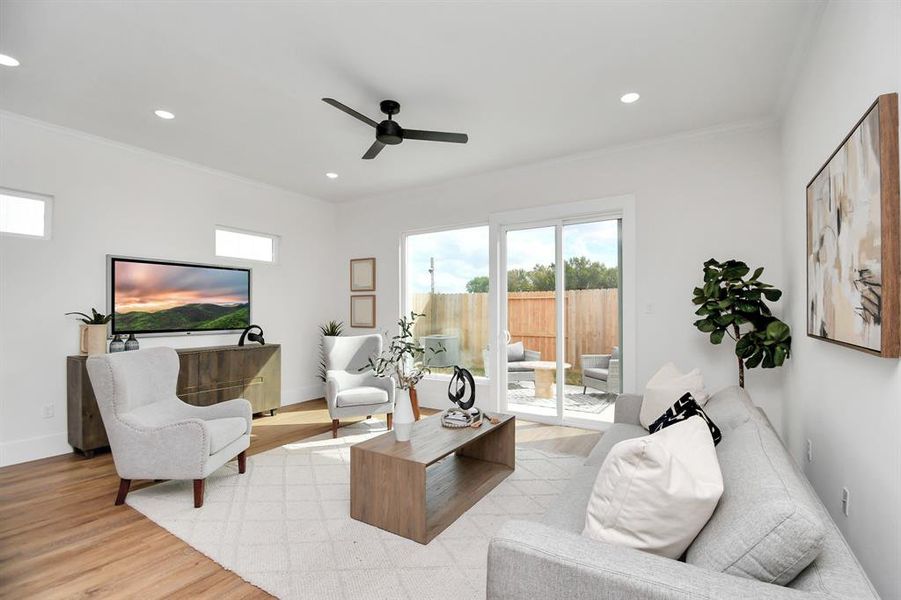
[(350, 391), (516, 355), (601, 371), (153, 434)]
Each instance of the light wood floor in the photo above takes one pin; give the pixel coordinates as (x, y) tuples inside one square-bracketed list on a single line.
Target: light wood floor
[(62, 537)]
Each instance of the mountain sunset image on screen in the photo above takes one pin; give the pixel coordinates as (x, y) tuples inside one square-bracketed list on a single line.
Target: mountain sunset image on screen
[(154, 297)]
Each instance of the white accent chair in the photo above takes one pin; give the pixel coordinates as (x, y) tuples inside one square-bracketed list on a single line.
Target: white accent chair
[(351, 389), (152, 433), (602, 371)]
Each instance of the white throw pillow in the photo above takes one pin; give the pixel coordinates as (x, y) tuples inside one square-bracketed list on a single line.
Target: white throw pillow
[(656, 493), (665, 387)]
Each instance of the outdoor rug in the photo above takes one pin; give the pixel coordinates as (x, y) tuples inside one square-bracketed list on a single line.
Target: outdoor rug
[(285, 524), (523, 392)]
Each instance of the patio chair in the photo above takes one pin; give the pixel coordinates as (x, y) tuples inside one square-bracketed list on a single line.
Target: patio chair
[(601, 371), (516, 353)]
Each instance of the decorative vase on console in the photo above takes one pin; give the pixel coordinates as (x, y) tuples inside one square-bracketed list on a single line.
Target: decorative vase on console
[(92, 332), (117, 345), (132, 342), (403, 363)]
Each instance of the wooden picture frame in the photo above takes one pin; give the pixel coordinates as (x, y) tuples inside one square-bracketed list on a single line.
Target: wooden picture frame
[(362, 274), (853, 238), (362, 311)]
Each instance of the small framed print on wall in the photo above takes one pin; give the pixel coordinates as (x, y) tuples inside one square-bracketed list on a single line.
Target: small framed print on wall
[(362, 274), (362, 311)]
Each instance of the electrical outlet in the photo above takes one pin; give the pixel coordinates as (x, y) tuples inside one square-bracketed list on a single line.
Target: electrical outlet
[(846, 500), (48, 411), (809, 451)]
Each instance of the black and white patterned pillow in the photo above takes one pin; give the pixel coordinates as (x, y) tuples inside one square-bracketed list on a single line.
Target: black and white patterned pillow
[(685, 407)]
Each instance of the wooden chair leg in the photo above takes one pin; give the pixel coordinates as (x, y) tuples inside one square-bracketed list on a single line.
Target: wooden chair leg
[(198, 493), (390, 418), (334, 428), (124, 484), (414, 402), (242, 462)]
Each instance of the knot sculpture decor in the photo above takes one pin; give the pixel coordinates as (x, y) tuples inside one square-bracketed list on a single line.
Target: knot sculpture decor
[(461, 391), (251, 336), (462, 382)]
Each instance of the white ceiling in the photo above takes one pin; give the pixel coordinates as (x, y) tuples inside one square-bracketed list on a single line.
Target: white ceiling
[(526, 80)]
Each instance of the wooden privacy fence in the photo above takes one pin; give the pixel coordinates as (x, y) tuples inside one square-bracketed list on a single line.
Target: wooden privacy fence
[(591, 318)]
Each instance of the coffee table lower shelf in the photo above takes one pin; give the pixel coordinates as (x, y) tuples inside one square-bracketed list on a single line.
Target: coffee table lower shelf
[(453, 485)]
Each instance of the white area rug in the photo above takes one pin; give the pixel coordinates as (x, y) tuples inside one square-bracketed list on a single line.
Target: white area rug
[(285, 524)]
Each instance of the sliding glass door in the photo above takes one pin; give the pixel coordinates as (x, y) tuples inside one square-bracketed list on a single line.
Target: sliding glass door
[(531, 320), (559, 352), (592, 318)]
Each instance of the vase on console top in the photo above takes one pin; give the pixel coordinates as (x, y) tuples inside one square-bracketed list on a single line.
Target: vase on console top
[(117, 345), (132, 342)]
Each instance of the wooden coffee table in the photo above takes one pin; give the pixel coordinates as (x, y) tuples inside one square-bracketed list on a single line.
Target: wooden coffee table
[(544, 375), (416, 489)]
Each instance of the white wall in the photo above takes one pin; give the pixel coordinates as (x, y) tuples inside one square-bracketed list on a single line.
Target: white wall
[(846, 402), (706, 194), (114, 199)]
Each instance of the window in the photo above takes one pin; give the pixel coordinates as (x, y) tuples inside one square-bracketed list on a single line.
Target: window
[(235, 243), (25, 214), (446, 279)]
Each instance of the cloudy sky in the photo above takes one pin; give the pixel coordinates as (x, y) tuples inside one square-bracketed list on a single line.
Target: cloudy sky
[(152, 287), (462, 254)]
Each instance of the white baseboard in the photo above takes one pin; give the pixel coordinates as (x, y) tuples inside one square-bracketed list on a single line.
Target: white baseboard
[(302, 394), (54, 444), (44, 446)]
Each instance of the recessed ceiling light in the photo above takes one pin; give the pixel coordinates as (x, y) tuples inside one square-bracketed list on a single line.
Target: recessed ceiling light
[(630, 97), (164, 114), (331, 175), (8, 61)]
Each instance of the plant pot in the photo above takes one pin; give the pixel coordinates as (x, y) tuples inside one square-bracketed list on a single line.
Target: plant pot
[(92, 339), (403, 416)]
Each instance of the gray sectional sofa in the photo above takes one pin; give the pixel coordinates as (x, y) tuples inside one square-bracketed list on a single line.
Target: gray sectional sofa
[(767, 523)]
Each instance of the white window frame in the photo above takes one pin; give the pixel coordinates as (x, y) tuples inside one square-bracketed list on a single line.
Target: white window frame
[(276, 240), (48, 213), (404, 307)]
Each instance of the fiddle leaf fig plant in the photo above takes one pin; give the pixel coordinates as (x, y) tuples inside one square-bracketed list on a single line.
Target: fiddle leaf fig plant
[(731, 303)]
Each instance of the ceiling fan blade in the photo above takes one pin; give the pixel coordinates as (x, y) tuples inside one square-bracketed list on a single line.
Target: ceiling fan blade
[(374, 150), (350, 111), (435, 136)]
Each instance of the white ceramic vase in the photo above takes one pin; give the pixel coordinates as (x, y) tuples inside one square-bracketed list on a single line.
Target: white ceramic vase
[(403, 415)]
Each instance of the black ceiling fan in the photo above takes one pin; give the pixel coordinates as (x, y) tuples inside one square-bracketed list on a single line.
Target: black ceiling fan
[(388, 132)]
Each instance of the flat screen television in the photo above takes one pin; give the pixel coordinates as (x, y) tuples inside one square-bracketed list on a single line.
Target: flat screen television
[(156, 297)]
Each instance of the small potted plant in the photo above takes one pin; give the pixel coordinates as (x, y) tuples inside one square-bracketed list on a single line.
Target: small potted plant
[(92, 334), (402, 361), (330, 329)]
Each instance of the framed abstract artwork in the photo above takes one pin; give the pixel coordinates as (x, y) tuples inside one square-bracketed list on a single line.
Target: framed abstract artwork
[(362, 311), (362, 274), (853, 262)]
